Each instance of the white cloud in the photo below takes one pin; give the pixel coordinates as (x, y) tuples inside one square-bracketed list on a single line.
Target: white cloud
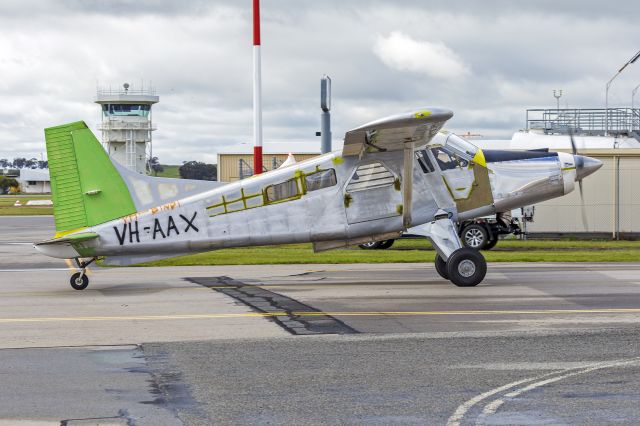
[(197, 53), (401, 52)]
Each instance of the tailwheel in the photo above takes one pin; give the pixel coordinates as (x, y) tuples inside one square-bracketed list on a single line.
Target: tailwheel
[(79, 281), (441, 267), (466, 267)]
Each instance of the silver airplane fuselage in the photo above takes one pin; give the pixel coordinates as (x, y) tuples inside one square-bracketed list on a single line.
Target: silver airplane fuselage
[(334, 200)]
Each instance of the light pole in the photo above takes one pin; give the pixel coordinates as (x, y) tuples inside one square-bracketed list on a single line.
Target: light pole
[(633, 95), (606, 93), (557, 95)]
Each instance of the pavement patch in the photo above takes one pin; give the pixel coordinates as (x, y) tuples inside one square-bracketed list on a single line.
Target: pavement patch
[(290, 314)]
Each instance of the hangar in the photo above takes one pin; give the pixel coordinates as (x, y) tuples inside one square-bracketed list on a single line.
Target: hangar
[(611, 195)]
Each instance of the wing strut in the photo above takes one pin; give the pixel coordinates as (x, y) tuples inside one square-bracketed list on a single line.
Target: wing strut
[(407, 184)]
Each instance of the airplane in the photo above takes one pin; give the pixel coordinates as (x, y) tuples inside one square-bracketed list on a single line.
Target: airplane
[(393, 175)]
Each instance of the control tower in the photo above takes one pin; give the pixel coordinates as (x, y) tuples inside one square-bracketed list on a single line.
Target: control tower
[(126, 125)]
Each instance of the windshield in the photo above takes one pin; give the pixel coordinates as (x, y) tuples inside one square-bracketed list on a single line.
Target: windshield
[(450, 152), (460, 146)]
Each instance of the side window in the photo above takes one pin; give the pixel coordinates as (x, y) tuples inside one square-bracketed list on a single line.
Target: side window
[(321, 179), (424, 161), (369, 176), (448, 161), (282, 191)]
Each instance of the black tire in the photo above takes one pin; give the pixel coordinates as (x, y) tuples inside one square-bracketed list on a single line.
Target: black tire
[(78, 282), (475, 236), (441, 267), (386, 244), (371, 245), (466, 267), (491, 244)]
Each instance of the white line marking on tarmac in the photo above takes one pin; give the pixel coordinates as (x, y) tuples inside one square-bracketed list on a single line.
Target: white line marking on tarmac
[(491, 408), (462, 410)]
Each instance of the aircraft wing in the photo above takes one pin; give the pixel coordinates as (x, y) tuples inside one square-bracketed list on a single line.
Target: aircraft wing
[(402, 132), (392, 133)]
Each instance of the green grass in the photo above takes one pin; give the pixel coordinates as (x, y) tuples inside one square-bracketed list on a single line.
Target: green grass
[(410, 251), (7, 205), (169, 171)]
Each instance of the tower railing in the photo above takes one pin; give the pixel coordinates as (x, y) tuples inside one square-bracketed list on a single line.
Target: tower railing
[(151, 91), (586, 121)]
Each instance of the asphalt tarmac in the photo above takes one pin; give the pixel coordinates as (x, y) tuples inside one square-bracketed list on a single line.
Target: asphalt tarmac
[(314, 344)]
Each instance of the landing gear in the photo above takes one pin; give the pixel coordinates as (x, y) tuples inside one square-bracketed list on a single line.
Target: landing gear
[(79, 280), (441, 267), (463, 266), (466, 267)]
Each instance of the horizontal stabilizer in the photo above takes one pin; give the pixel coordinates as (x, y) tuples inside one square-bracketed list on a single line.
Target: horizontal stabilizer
[(73, 238), (69, 246)]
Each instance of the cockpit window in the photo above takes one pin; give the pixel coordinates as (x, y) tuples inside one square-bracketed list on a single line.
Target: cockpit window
[(448, 159)]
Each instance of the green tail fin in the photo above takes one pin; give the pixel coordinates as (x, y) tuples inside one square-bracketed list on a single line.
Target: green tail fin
[(86, 187)]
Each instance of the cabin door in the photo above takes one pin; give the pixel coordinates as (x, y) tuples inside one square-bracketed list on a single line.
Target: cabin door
[(373, 192)]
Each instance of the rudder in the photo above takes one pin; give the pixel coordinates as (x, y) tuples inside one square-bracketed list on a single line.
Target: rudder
[(86, 187)]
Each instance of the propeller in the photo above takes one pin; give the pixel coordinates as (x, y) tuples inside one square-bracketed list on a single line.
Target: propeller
[(574, 151)]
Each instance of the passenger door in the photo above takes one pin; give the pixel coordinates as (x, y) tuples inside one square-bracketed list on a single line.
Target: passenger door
[(373, 192)]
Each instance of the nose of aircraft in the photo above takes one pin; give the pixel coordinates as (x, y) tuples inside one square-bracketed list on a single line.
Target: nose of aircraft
[(585, 166)]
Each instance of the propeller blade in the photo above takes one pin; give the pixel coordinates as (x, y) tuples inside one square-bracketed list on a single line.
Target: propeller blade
[(574, 149), (583, 207)]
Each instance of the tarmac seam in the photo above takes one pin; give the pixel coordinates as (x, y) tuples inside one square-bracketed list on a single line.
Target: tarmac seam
[(292, 315)]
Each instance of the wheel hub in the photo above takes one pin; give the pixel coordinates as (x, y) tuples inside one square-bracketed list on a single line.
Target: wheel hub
[(467, 268), (473, 238)]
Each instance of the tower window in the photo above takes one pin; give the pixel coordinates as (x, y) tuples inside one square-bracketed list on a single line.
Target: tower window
[(126, 110)]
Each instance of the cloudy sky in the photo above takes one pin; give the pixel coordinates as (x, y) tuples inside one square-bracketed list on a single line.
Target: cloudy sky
[(488, 61)]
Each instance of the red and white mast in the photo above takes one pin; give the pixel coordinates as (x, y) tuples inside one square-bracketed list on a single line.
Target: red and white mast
[(257, 92)]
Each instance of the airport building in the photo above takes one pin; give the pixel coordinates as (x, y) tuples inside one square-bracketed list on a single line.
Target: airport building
[(127, 125), (31, 181), (612, 194), (238, 164)]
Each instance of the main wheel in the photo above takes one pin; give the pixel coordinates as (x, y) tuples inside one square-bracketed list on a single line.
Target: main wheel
[(79, 281), (441, 267), (386, 244), (491, 244), (475, 236), (466, 267), (371, 245)]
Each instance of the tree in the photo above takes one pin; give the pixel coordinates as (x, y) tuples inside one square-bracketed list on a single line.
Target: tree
[(7, 183), (155, 166), (19, 163), (198, 170), (43, 164), (4, 163), (31, 163)]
